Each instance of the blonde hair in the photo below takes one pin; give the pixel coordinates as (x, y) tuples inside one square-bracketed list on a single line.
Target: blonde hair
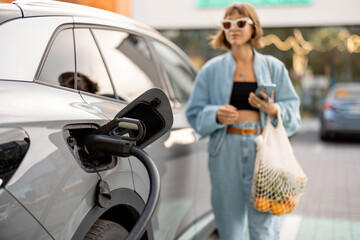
[(219, 40)]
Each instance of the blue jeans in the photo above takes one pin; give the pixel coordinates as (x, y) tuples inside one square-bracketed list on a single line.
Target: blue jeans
[(231, 172)]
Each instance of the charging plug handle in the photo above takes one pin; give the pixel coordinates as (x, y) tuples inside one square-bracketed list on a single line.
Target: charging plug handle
[(97, 144)]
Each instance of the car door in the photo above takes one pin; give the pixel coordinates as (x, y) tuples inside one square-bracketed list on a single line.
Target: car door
[(68, 74), (190, 147), (133, 69)]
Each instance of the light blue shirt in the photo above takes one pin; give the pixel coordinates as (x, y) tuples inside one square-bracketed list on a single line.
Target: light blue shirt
[(213, 87)]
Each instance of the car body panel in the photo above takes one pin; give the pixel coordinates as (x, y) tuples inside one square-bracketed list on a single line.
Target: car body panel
[(104, 106), (47, 8), (49, 181), (55, 107), (13, 215), (25, 56), (9, 11), (119, 22)]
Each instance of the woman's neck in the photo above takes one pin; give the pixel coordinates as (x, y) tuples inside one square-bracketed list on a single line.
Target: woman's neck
[(243, 53)]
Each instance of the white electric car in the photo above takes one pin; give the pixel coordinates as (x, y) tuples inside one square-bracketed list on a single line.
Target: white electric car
[(65, 71)]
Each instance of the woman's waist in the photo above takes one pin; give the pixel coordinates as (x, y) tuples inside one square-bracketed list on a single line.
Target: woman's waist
[(247, 116)]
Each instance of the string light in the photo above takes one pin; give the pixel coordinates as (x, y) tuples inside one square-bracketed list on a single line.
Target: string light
[(325, 41)]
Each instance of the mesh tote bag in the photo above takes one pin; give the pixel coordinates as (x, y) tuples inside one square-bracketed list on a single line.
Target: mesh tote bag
[(278, 180)]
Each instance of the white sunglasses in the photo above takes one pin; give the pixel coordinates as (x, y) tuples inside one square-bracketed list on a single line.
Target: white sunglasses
[(240, 23)]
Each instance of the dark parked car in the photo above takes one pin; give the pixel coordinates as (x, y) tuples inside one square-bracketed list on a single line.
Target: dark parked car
[(65, 72), (341, 111)]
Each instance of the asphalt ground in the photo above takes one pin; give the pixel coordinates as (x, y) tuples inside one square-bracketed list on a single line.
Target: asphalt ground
[(330, 206)]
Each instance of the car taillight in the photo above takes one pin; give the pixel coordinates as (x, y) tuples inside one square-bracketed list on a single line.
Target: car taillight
[(14, 143), (328, 105)]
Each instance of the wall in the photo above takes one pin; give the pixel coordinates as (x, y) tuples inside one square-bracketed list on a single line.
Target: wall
[(184, 14), (118, 6)]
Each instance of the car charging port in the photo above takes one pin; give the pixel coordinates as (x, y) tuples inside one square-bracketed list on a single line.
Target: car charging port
[(74, 135)]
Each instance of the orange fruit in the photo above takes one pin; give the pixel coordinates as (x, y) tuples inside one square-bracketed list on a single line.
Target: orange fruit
[(262, 204), (290, 203), (278, 208)]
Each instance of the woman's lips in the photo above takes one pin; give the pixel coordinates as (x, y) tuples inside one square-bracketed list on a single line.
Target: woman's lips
[(234, 35)]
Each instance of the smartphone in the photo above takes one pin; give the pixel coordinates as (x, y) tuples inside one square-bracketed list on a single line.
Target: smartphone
[(266, 88)]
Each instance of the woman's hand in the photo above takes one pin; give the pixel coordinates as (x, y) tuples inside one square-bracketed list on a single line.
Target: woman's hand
[(266, 105), (227, 114)]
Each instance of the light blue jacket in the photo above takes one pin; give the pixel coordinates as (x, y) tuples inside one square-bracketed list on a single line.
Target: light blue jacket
[(213, 87)]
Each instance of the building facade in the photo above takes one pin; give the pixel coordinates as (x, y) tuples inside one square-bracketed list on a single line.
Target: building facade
[(318, 40)]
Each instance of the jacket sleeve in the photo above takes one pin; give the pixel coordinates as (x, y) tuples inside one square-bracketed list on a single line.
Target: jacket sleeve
[(287, 99), (200, 113)]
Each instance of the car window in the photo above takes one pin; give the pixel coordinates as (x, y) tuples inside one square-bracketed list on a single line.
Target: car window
[(91, 72), (348, 93), (179, 72), (129, 61), (60, 60)]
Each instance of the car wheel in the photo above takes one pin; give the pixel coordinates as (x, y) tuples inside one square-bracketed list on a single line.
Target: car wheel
[(106, 230)]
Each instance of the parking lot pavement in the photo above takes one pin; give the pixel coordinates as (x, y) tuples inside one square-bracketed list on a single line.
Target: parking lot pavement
[(297, 227), (330, 207)]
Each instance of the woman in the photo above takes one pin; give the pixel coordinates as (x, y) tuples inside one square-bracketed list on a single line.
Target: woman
[(224, 106)]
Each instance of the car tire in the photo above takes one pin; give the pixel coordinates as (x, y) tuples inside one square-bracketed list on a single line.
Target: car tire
[(106, 230), (324, 136)]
